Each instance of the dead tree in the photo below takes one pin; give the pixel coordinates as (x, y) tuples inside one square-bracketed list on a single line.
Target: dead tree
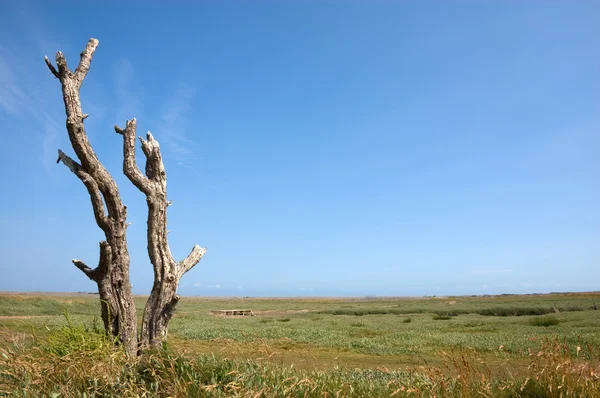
[(167, 272), (112, 273)]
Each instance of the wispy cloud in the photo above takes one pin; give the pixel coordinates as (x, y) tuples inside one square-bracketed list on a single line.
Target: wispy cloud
[(13, 99), (173, 126), (128, 102), (21, 99)]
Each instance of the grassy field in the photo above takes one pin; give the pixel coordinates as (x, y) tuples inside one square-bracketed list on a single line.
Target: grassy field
[(497, 338)]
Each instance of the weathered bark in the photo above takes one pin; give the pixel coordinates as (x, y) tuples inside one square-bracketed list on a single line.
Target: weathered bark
[(167, 272), (112, 273)]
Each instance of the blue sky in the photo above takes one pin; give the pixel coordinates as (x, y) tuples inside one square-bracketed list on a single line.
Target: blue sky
[(317, 148)]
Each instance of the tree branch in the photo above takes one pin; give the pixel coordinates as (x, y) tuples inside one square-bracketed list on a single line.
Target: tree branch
[(84, 61), (84, 268), (148, 145), (156, 178), (61, 62), (51, 67), (71, 84), (130, 168), (92, 188), (191, 260), (155, 169), (104, 263)]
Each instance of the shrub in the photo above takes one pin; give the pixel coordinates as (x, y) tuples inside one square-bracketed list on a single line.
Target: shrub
[(515, 311), (494, 311)]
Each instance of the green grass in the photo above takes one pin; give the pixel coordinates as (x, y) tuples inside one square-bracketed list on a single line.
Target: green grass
[(64, 364), (322, 335), (422, 337), (35, 306), (544, 321), (311, 323)]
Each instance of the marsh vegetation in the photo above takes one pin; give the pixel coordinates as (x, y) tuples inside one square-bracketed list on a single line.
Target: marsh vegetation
[(312, 347)]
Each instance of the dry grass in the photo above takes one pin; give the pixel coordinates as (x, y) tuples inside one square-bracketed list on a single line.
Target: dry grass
[(76, 360), (299, 348)]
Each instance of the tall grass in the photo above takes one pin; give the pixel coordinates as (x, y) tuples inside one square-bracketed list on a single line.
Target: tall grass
[(78, 361)]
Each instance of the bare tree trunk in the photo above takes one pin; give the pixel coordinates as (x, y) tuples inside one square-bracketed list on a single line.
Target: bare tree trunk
[(167, 272), (112, 273)]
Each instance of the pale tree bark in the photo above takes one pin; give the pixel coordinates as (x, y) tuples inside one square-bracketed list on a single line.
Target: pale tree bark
[(112, 273), (167, 272)]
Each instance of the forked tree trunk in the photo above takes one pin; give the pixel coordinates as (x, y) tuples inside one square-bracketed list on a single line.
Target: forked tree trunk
[(112, 273), (167, 272)]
